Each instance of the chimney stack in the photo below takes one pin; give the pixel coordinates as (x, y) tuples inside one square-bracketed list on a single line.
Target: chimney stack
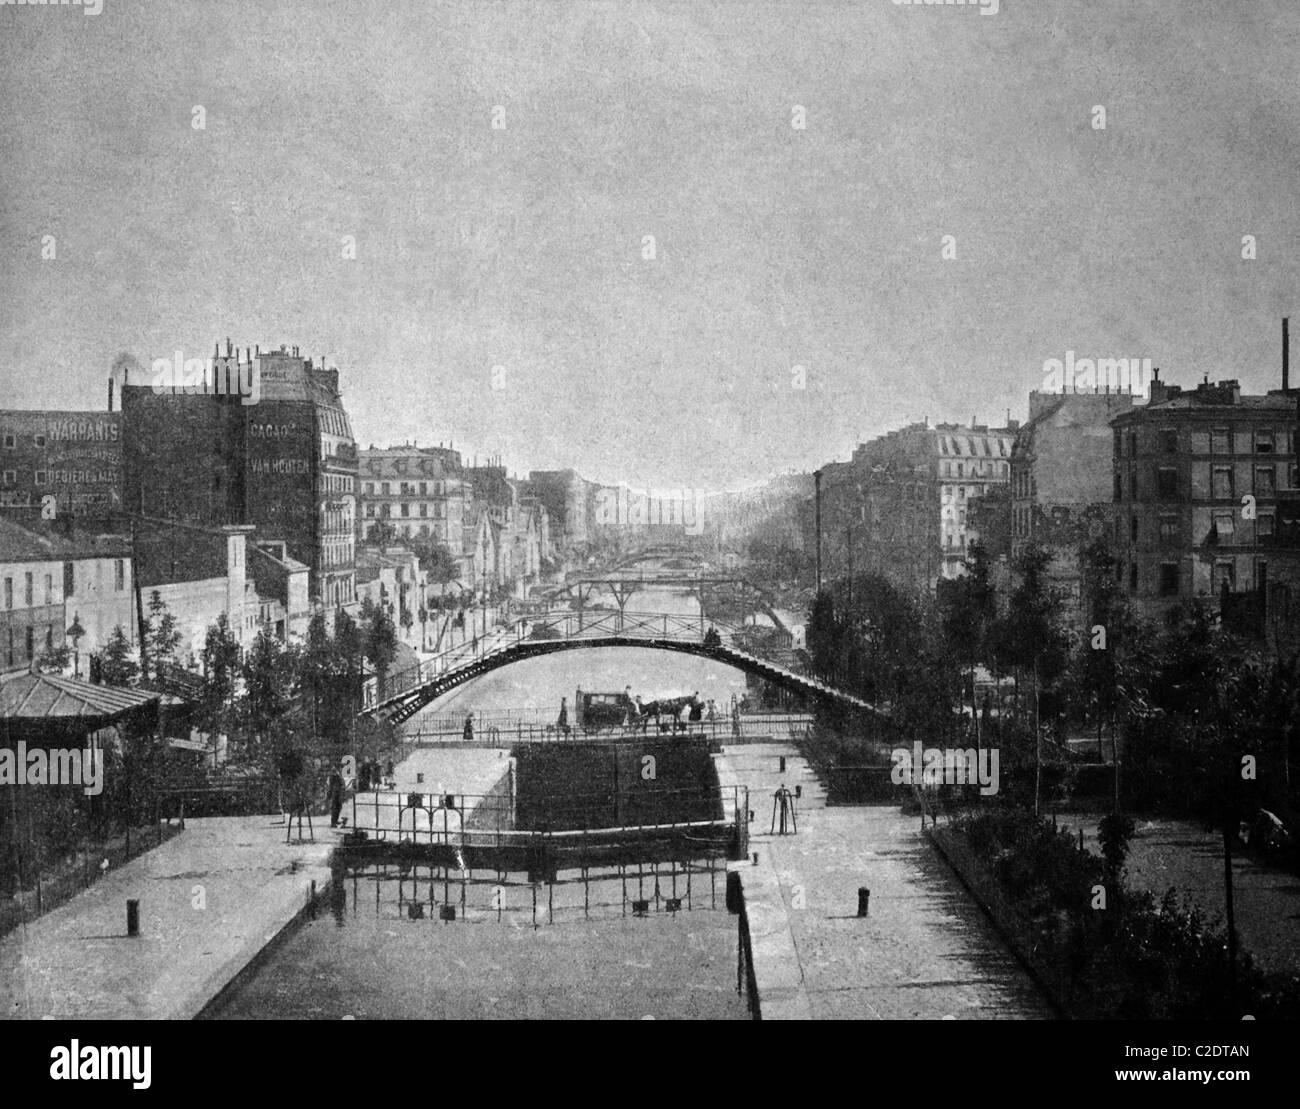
[(110, 394), (1286, 353)]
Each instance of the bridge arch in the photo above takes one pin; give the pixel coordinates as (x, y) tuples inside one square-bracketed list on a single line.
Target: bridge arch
[(400, 706)]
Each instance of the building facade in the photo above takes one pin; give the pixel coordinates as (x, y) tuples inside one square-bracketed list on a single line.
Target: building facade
[(900, 506), (76, 457), (61, 586), (1205, 498), (420, 492), (286, 464)]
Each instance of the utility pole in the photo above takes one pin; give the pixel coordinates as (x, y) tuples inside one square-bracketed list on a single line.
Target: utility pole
[(817, 485)]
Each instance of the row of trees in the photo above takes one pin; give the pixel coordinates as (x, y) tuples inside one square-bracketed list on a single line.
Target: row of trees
[(1187, 697), (272, 696)]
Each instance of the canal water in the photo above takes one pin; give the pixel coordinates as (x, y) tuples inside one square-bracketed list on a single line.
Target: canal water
[(582, 952), (572, 955)]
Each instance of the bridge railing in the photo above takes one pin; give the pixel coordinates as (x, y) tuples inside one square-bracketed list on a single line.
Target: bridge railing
[(445, 731), (565, 624)]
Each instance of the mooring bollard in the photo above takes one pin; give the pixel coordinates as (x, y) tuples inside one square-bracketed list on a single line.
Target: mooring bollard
[(755, 858), (864, 899), (132, 918)]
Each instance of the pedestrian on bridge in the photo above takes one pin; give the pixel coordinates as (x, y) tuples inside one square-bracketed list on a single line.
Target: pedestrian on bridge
[(469, 726), (562, 724)]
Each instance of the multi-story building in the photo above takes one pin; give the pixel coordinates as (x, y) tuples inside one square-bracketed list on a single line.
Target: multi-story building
[(421, 492), (61, 585), (570, 504), (75, 457), (1060, 480), (286, 463), (1205, 499), (900, 506)]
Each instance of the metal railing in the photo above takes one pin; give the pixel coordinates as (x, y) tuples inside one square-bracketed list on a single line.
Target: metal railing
[(447, 730)]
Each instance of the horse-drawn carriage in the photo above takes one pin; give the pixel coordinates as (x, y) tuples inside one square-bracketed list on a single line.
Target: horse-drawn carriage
[(620, 711)]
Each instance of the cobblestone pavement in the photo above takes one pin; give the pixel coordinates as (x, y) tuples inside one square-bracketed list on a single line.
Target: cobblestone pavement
[(925, 951), (211, 898)]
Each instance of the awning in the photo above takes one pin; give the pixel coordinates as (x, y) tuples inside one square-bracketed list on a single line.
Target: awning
[(30, 696)]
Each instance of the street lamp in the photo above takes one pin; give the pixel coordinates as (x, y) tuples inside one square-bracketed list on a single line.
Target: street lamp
[(483, 602), (75, 632)]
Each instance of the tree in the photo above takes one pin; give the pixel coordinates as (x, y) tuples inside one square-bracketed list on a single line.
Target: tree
[(220, 672), (270, 677), (117, 667), (54, 660), (381, 533), (379, 638), (162, 636), (436, 560)]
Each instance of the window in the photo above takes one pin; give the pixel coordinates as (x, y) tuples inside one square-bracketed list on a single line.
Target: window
[(1132, 444), (11, 476), (42, 477), (1167, 483), (1266, 525), (9, 441), (406, 508), (27, 590), (49, 589), (40, 440), (1221, 483), (1224, 526), (1223, 576), (9, 592), (119, 575), (1133, 575), (1133, 483), (1133, 529), (1168, 529), (1264, 441), (9, 649), (1265, 481), (370, 510), (30, 643), (1169, 579), (424, 508), (49, 638), (1119, 443), (1220, 440), (384, 488), (1169, 440), (1119, 487)]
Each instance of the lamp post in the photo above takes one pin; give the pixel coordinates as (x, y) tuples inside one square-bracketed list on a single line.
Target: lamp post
[(483, 602), (75, 632)]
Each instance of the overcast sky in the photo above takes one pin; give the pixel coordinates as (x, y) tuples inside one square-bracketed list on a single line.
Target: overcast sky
[(775, 247)]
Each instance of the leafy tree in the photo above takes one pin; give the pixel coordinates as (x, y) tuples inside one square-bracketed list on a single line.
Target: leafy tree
[(220, 674), (379, 638), (381, 534), (117, 667), (54, 660), (162, 636), (270, 677), (436, 560)]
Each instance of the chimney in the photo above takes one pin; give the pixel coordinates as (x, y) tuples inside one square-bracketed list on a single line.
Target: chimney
[(110, 394), (1286, 354)]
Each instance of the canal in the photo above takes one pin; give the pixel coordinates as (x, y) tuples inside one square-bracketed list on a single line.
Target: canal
[(380, 950)]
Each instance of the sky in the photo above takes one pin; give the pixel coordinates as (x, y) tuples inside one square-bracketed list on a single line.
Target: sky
[(798, 301)]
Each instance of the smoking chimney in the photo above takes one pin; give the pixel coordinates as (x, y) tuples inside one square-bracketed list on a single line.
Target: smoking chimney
[(1286, 353), (110, 394)]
